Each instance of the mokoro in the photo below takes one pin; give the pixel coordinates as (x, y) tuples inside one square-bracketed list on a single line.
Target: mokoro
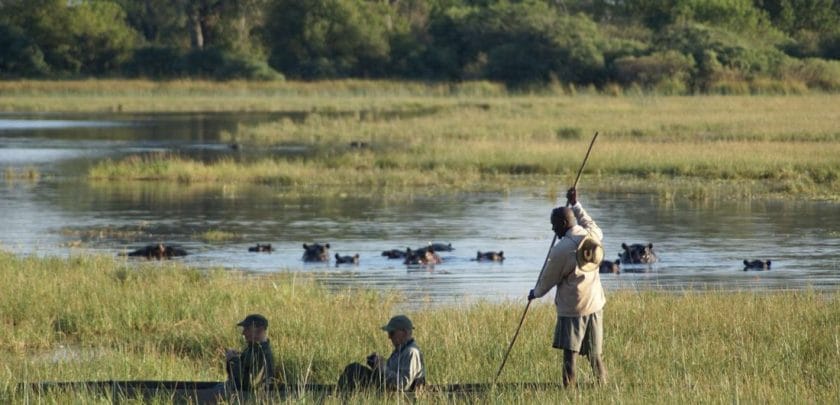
[(186, 389)]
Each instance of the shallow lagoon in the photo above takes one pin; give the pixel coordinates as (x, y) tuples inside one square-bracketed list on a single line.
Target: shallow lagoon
[(701, 244)]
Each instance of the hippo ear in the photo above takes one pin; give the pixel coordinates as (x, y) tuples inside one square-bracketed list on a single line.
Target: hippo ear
[(337, 256), (650, 245), (624, 246)]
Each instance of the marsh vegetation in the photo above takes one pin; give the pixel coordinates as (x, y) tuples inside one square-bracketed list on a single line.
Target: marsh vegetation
[(416, 140), (97, 318)]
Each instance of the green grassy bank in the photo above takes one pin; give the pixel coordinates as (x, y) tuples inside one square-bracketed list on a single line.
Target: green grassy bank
[(98, 318), (409, 137)]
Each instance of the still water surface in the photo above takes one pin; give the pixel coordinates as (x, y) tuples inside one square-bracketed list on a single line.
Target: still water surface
[(701, 245)]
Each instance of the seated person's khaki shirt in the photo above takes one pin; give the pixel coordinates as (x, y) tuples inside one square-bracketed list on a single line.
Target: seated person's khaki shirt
[(405, 369)]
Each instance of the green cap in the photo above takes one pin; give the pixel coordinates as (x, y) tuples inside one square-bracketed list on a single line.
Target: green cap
[(399, 322)]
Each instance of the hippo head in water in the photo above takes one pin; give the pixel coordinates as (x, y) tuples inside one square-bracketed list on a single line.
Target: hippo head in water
[(339, 259), (424, 256), (261, 248), (607, 266), (159, 251), (637, 253), (490, 256), (756, 265), (394, 254), (316, 252)]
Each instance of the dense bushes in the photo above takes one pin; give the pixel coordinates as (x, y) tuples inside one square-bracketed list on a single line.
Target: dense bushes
[(680, 46), (165, 62)]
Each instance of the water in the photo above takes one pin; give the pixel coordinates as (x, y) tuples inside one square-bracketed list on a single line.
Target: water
[(700, 245)]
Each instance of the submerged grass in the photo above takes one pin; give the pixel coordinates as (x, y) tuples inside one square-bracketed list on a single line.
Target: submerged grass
[(27, 174), (99, 318)]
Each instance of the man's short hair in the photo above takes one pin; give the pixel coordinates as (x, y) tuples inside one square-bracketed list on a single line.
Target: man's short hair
[(563, 215)]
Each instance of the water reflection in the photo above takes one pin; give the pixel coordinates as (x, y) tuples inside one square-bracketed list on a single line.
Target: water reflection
[(701, 245)]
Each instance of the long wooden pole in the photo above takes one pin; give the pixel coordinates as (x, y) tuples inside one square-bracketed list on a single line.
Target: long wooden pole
[(553, 241)]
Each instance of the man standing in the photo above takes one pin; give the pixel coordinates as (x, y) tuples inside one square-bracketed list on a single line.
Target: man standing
[(404, 370), (253, 368), (572, 267)]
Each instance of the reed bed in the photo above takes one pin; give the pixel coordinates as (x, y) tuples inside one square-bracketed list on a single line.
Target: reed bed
[(678, 145), (25, 174), (409, 137), (102, 318)]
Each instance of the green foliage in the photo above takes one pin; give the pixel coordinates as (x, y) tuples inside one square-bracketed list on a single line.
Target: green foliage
[(328, 38), (214, 63), (657, 68), (21, 55), (88, 37), (523, 43), (154, 62), (817, 73), (716, 50), (211, 63)]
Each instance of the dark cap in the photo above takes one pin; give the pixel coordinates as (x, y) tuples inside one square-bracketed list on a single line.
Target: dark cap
[(254, 319), (399, 322)]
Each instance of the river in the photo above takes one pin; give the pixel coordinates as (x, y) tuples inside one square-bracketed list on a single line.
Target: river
[(701, 245)]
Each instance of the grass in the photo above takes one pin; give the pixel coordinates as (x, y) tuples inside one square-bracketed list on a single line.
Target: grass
[(413, 137), (28, 174), (697, 146), (99, 318), (217, 235)]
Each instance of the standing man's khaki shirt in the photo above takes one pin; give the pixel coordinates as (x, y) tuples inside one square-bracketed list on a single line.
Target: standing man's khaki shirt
[(578, 293)]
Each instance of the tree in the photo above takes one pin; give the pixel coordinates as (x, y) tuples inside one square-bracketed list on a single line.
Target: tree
[(88, 37), (328, 38)]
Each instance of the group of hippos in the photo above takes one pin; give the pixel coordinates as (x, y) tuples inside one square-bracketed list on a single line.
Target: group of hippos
[(636, 253)]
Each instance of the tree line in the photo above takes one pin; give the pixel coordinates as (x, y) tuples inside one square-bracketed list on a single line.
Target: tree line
[(680, 46)]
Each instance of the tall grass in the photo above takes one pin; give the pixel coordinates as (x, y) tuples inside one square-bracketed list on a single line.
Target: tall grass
[(27, 174), (478, 136), (99, 318), (760, 145)]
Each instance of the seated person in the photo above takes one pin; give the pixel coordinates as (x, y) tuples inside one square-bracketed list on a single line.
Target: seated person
[(403, 371), (250, 370), (253, 368)]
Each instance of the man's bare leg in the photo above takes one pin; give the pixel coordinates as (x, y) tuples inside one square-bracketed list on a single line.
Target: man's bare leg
[(598, 368), (568, 368)]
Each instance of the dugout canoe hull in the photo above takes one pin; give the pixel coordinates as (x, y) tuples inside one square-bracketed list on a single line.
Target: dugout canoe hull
[(188, 389)]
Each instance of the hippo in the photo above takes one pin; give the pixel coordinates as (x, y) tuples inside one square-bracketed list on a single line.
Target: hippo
[(756, 265), (490, 256), (637, 253), (159, 251), (425, 256), (607, 266), (438, 247), (261, 248), (394, 254), (346, 259), (316, 252)]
